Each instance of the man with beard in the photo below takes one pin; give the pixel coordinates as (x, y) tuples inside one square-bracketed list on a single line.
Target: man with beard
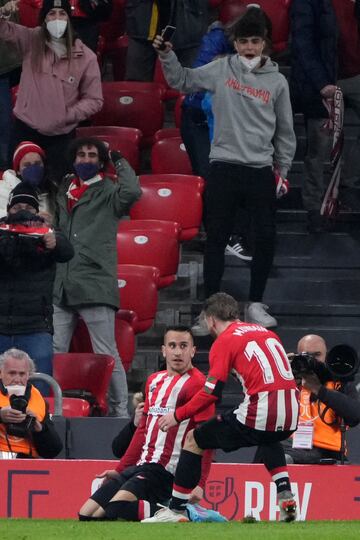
[(29, 251)]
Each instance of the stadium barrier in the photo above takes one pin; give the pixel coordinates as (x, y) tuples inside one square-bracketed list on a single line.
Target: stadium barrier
[(54, 489)]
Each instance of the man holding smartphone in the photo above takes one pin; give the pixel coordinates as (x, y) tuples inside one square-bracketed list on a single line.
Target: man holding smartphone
[(251, 151), (144, 20)]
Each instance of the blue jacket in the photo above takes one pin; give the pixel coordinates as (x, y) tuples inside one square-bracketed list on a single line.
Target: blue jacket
[(213, 43), (314, 35)]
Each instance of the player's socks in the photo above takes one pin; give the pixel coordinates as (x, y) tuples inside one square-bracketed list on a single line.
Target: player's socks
[(187, 476), (280, 476), (130, 510)]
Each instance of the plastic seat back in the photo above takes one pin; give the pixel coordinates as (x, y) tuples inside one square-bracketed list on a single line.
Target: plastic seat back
[(88, 372), (172, 197), (138, 289), (169, 156), (71, 407), (150, 243)]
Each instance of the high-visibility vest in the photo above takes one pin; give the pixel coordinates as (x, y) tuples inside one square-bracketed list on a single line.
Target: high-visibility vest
[(9, 443), (325, 435)]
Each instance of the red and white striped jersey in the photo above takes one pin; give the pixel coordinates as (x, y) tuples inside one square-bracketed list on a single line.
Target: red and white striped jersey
[(256, 357), (164, 394)]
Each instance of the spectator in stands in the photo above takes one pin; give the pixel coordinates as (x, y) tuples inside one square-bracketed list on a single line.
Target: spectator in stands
[(60, 83), (325, 49), (29, 166), (29, 251), (253, 133), (26, 430), (144, 476), (256, 357), (85, 18), (322, 406), (146, 19), (90, 207), (10, 62)]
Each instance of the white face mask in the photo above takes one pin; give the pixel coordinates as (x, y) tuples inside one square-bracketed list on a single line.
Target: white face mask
[(250, 63), (56, 28), (17, 389)]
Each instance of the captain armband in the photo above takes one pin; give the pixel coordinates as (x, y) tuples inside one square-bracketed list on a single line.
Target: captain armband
[(214, 387)]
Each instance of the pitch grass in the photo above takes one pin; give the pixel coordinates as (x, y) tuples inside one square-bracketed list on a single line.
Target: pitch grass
[(32, 529)]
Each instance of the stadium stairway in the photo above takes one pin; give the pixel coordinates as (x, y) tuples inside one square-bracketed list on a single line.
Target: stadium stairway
[(314, 285)]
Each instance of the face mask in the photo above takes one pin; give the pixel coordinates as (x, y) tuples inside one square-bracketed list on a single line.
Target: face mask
[(33, 174), (24, 217), (85, 171), (250, 63), (56, 28), (17, 389)]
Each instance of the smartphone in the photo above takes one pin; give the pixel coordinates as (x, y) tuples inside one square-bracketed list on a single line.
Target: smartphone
[(167, 35)]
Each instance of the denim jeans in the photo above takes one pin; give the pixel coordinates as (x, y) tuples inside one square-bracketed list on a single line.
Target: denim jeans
[(40, 349), (5, 122)]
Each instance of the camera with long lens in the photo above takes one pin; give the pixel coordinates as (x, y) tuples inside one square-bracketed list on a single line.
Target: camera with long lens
[(341, 365), (22, 429)]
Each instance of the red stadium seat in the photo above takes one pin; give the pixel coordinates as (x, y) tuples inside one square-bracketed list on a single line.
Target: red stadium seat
[(169, 156), (132, 104), (125, 139), (150, 243), (71, 406), (166, 133), (172, 197), (124, 337), (138, 289), (178, 110), (87, 372)]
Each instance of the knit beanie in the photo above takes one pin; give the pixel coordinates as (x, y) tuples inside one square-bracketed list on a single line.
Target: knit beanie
[(24, 148), (23, 193), (53, 4)]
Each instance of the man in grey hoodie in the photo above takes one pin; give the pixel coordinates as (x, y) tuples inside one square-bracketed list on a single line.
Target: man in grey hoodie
[(253, 139)]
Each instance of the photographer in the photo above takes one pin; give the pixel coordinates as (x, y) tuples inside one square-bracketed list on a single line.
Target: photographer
[(322, 407), (25, 428)]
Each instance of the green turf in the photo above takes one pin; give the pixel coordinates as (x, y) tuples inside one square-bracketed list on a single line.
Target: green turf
[(25, 529)]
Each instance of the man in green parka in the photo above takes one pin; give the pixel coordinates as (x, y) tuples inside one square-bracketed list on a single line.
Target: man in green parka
[(89, 208)]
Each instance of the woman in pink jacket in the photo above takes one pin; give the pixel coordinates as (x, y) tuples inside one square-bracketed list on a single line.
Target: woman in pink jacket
[(60, 84)]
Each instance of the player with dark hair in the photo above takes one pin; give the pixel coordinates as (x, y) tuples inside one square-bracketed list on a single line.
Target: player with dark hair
[(268, 414), (145, 474)]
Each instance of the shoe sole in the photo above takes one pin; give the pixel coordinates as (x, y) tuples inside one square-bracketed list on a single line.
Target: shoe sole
[(232, 251)]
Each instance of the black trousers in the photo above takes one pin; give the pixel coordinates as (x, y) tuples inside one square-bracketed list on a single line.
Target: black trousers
[(229, 188)]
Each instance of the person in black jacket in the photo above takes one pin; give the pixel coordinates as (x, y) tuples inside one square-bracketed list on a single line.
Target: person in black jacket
[(29, 251), (147, 18), (26, 430), (325, 50)]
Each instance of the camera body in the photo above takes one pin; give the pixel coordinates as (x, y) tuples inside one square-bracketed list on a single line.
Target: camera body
[(341, 365), (304, 363), (22, 429)]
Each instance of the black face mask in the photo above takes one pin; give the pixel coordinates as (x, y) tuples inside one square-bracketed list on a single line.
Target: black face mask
[(23, 216)]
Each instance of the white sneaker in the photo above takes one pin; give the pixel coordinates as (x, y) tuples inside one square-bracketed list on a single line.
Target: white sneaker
[(255, 312), (287, 506), (237, 247), (165, 515), (199, 327)]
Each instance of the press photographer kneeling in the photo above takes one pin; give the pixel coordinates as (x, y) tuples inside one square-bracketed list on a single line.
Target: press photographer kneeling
[(329, 401), (26, 430)]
